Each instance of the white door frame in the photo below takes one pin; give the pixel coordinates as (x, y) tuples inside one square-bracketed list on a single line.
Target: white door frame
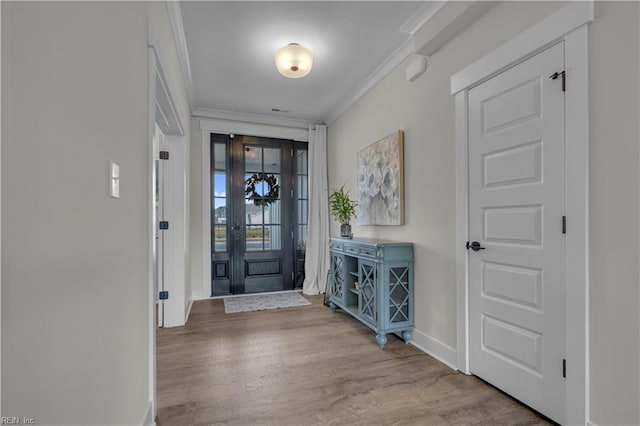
[(170, 264), (157, 235), (569, 24), (173, 174)]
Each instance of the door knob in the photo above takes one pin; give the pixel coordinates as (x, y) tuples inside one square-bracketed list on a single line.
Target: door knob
[(475, 246)]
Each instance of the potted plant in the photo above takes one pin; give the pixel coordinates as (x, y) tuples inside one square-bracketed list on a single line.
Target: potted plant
[(342, 209)]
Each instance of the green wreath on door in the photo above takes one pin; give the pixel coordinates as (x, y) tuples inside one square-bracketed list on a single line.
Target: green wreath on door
[(272, 195)]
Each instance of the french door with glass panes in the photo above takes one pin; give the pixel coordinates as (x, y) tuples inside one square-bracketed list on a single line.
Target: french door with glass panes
[(259, 213)]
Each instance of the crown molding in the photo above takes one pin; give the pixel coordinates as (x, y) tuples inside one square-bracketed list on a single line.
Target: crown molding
[(175, 18), (421, 16), (253, 118), (400, 54)]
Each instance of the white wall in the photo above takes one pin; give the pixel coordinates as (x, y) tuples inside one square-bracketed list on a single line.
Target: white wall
[(75, 312), (425, 111)]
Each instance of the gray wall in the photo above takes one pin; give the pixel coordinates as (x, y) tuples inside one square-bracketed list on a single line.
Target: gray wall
[(74, 261), (425, 111), (614, 96)]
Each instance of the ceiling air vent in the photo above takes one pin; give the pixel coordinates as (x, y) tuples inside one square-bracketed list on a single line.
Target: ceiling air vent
[(283, 111)]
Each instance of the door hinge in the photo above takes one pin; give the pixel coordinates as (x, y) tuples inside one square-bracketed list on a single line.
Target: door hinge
[(564, 368), (562, 74), (293, 277), (164, 295), (164, 224), (564, 224), (232, 136), (292, 152), (164, 155)]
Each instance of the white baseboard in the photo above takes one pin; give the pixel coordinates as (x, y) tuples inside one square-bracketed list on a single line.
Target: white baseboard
[(148, 419), (200, 295), (189, 306), (431, 346), (589, 423)]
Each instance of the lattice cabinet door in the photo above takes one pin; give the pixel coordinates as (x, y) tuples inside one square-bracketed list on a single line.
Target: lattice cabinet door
[(337, 277), (367, 301), (398, 293)]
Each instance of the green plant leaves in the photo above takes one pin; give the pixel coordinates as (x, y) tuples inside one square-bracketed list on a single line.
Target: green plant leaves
[(341, 206)]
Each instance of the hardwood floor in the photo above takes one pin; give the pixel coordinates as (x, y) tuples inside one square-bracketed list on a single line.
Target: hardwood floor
[(309, 366)]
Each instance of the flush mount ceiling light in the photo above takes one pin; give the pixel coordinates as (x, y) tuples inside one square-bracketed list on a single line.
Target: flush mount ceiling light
[(294, 60)]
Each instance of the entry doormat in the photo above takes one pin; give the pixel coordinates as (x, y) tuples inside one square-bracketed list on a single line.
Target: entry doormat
[(260, 302)]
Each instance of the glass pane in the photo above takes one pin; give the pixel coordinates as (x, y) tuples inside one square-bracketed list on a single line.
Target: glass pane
[(267, 187), (220, 210), (273, 237), (253, 235), (273, 213), (218, 200), (302, 237), (272, 160), (252, 159), (220, 235), (301, 186), (261, 188), (219, 156), (301, 162), (253, 214), (303, 211), (259, 185), (398, 315), (220, 184)]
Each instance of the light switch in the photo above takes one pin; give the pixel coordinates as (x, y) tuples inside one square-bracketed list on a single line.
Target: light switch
[(114, 187)]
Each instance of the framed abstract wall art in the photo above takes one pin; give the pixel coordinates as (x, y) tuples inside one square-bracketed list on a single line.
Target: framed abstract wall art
[(380, 186)]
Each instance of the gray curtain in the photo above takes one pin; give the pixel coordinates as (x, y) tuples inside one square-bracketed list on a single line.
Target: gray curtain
[(317, 255)]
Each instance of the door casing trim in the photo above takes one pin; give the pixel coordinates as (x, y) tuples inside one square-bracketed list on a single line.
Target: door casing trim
[(569, 25)]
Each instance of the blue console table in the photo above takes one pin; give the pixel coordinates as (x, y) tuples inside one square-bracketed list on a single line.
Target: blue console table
[(373, 281)]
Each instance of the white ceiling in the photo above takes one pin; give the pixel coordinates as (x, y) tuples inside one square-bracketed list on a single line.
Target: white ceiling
[(231, 46)]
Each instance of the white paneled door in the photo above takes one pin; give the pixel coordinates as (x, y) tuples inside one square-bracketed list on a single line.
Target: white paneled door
[(516, 225)]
